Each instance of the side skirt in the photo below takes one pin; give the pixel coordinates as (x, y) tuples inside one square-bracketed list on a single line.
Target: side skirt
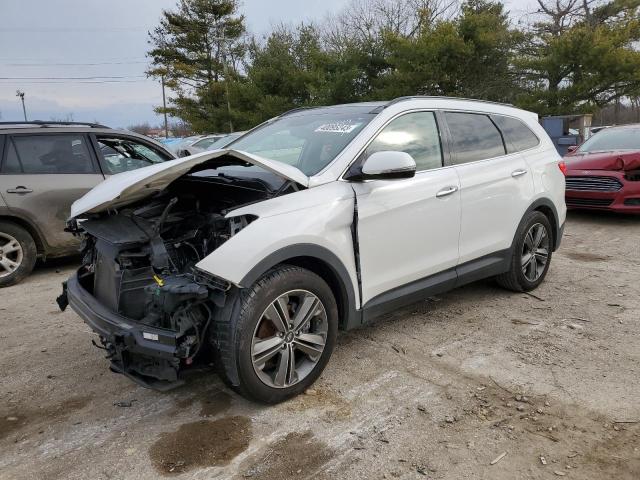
[(483, 267)]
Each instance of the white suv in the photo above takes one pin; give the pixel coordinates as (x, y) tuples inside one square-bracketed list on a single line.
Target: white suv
[(316, 220)]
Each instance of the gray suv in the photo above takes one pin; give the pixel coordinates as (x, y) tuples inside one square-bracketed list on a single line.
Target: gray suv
[(44, 168)]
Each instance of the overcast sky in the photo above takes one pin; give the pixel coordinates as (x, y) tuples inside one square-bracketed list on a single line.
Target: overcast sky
[(43, 40)]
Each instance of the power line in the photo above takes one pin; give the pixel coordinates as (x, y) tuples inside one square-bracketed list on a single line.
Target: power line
[(97, 77), (41, 59), (65, 82), (70, 64), (74, 29)]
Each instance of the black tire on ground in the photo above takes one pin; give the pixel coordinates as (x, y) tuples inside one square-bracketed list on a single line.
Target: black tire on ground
[(234, 325), (515, 279), (29, 253)]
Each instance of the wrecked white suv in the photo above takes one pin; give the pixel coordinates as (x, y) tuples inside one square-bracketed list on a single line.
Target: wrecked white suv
[(253, 257)]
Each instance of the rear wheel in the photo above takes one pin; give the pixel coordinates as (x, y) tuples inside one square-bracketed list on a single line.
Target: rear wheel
[(17, 253), (280, 336), (531, 254)]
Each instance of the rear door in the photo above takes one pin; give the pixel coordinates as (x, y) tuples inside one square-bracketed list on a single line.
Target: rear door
[(496, 187), (42, 175)]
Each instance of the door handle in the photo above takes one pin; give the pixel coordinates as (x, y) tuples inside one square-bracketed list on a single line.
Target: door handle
[(19, 189), (518, 173), (446, 191)]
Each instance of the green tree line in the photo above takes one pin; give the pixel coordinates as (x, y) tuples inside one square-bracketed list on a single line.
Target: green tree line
[(570, 56)]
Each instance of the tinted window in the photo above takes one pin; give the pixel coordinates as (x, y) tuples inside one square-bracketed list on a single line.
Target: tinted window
[(516, 134), (48, 154), (413, 133), (121, 155), (475, 137)]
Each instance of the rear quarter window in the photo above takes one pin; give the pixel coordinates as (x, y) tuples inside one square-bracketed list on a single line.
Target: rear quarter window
[(517, 135)]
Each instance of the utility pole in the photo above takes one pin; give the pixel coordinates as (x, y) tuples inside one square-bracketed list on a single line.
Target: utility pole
[(164, 105), (223, 42), (24, 110)]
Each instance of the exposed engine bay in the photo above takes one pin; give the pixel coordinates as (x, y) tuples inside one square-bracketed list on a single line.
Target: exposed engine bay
[(139, 263)]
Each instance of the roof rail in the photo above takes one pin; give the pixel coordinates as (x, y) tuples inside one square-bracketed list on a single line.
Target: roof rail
[(436, 97), (294, 110), (45, 124)]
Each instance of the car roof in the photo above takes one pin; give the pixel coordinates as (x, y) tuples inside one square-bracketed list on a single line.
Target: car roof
[(43, 128), (377, 107)]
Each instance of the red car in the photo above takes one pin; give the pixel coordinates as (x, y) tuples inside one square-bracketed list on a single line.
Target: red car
[(604, 172)]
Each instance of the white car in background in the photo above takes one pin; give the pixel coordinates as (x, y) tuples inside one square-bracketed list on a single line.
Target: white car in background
[(200, 145), (253, 257), (226, 140)]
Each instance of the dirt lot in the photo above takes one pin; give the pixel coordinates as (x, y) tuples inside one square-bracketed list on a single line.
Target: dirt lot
[(542, 386)]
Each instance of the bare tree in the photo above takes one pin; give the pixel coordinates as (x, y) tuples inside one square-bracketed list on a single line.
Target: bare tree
[(364, 22), (555, 17), (141, 128)]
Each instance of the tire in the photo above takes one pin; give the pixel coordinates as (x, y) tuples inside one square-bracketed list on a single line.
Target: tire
[(17, 253), (520, 277), (243, 328)]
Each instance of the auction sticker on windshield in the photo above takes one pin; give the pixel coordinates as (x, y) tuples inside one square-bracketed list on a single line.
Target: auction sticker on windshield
[(338, 127)]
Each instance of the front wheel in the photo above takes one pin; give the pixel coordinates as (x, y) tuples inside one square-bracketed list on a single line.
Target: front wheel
[(280, 335), (531, 254)]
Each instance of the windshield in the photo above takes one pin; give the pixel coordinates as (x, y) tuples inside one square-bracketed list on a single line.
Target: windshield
[(308, 141), (612, 139)]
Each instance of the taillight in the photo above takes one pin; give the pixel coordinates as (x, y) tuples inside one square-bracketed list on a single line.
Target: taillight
[(563, 167)]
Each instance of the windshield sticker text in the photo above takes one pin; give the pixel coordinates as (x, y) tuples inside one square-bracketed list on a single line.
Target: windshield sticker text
[(337, 127)]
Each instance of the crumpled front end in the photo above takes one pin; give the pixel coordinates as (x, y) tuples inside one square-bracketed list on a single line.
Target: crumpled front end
[(139, 288), (152, 356)]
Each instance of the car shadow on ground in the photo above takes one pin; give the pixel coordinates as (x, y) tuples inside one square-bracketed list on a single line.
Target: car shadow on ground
[(603, 218)]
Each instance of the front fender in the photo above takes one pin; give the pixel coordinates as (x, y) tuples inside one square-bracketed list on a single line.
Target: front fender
[(316, 223)]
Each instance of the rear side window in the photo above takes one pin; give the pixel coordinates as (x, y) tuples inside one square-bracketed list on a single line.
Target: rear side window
[(47, 154), (412, 133), (475, 137), (517, 135)]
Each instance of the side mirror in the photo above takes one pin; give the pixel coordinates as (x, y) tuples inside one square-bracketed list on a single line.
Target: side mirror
[(572, 148), (384, 166)]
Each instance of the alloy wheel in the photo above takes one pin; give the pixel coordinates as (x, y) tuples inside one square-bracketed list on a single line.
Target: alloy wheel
[(289, 339), (11, 254), (535, 252)]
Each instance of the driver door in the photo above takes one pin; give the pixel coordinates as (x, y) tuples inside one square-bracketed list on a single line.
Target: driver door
[(408, 229)]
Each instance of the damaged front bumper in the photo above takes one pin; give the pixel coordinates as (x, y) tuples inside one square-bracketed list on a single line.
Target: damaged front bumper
[(147, 355)]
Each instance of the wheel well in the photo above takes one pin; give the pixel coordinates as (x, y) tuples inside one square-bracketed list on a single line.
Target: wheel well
[(324, 271), (547, 212), (29, 228)]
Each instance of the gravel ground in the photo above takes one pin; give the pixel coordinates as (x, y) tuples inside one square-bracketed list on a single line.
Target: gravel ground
[(476, 383)]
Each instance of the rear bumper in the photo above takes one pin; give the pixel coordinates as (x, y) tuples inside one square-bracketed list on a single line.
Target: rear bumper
[(145, 354), (625, 200)]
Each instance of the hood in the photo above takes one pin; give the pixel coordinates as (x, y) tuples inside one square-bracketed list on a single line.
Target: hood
[(129, 187), (611, 160)]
